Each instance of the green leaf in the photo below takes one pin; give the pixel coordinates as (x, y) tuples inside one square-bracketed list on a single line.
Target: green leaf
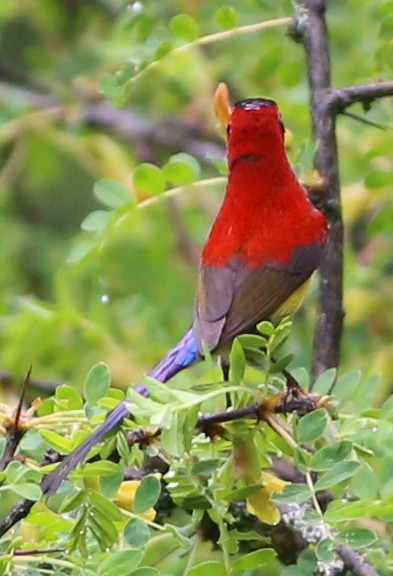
[(329, 455), (70, 396), (311, 426), (181, 169), (97, 383), (27, 490), (357, 537), (105, 506), (57, 442), (96, 221), (226, 17), (163, 49), (112, 193), (205, 466), (252, 341), (265, 328), (120, 563), (147, 494), (185, 27), (254, 560), (149, 179), (346, 385), (340, 472), (98, 469), (209, 568), (344, 512), (293, 493), (237, 362), (325, 381), (324, 550), (80, 251), (365, 483), (136, 533), (146, 571)]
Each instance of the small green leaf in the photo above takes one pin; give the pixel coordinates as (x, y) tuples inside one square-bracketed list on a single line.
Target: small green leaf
[(325, 381), (97, 383), (226, 17), (112, 193), (27, 490), (329, 455), (293, 493), (357, 537), (205, 466), (98, 469), (209, 568), (96, 221), (237, 362), (80, 251), (70, 396), (340, 472), (146, 571), (181, 169), (324, 550), (149, 179), (185, 27), (365, 483), (265, 328), (252, 341), (136, 533), (254, 560), (120, 563), (346, 385), (163, 49), (311, 426), (57, 442), (105, 506), (147, 494)]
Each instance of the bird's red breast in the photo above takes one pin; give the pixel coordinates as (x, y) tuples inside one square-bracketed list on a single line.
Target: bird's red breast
[(266, 213)]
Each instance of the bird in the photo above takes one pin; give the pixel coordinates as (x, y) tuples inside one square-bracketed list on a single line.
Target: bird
[(263, 248)]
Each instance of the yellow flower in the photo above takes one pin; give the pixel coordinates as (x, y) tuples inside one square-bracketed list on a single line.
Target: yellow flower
[(259, 503), (125, 497)]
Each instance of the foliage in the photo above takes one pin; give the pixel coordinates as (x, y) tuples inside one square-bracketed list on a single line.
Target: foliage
[(117, 293)]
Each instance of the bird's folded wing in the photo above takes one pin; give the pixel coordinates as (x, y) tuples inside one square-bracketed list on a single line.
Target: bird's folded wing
[(232, 299)]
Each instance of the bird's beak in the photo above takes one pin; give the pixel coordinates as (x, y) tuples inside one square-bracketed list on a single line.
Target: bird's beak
[(222, 105)]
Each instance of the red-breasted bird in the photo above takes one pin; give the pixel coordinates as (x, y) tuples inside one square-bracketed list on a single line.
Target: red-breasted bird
[(256, 265)]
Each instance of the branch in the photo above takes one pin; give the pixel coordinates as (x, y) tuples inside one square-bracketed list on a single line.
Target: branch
[(310, 26), (341, 98), (355, 562), (124, 123)]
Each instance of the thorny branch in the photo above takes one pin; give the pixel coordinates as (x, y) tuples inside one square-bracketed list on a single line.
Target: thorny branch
[(310, 28)]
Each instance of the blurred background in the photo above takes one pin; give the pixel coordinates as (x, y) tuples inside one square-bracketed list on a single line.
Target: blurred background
[(88, 92)]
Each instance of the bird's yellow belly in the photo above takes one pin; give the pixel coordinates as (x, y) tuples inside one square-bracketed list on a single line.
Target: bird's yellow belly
[(291, 304)]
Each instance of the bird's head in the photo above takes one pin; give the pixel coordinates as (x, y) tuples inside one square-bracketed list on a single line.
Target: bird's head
[(254, 126)]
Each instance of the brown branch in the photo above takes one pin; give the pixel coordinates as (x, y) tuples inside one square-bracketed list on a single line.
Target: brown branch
[(15, 430), (341, 98), (124, 123), (310, 27), (355, 562)]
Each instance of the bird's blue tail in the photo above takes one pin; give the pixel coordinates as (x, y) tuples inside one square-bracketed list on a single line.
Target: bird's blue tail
[(184, 354)]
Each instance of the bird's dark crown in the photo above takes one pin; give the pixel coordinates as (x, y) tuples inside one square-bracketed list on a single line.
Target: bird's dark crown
[(254, 103)]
